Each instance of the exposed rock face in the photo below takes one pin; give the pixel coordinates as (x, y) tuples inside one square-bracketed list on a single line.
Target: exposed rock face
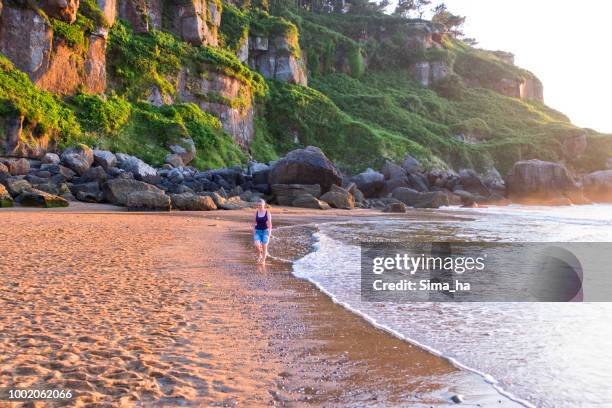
[(219, 92), (65, 10), (143, 15), (430, 72), (109, 8), (196, 21), (532, 88), (537, 181), (598, 186), (25, 39), (276, 58), (305, 166)]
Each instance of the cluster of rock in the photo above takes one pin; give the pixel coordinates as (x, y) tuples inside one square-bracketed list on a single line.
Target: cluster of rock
[(303, 178)]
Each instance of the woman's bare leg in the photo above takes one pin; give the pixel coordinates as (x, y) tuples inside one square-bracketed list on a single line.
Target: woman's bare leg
[(264, 250), (258, 247)]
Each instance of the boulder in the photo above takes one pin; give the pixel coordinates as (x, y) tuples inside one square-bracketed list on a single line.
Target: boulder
[(598, 186), (309, 201), (418, 182), (79, 158), (185, 149), (370, 183), (18, 167), (148, 201), (16, 186), (287, 193), (50, 158), (37, 198), (338, 197), (411, 165), (192, 202), (4, 170), (48, 187), (471, 182), (398, 207), (305, 166), (87, 192), (104, 159), (392, 184), (417, 199), (96, 174), (141, 170), (5, 198), (392, 171), (174, 160), (116, 191), (217, 198), (235, 203), (540, 181)]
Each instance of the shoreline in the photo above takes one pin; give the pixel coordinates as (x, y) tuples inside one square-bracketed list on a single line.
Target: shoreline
[(275, 338)]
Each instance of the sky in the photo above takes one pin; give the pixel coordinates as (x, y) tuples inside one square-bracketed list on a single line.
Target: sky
[(565, 43)]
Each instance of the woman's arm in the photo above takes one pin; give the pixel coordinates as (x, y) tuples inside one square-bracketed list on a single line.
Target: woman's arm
[(270, 221)]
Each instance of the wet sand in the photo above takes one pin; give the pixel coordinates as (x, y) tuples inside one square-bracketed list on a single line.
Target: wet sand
[(150, 309)]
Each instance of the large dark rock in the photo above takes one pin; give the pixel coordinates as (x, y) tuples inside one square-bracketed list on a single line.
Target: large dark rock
[(104, 159), (148, 201), (411, 165), (87, 192), (537, 181), (38, 198), (18, 167), (418, 182), (413, 198), (308, 201), (78, 159), (392, 171), (598, 186), (96, 174), (192, 202), (141, 170), (370, 183), (116, 191), (397, 207), (16, 186), (50, 158), (305, 166), (471, 182), (286, 194), (185, 149), (337, 197)]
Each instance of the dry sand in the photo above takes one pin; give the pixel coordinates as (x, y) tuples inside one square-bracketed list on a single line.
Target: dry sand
[(130, 309)]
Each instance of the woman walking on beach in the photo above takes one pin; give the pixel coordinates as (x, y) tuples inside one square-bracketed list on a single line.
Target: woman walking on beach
[(263, 230)]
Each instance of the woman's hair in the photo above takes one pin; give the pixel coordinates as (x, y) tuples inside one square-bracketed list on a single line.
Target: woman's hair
[(262, 201)]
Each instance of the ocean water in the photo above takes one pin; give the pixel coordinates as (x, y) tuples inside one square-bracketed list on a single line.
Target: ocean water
[(538, 354)]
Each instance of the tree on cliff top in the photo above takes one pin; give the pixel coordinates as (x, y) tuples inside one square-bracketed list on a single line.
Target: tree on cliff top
[(452, 23)]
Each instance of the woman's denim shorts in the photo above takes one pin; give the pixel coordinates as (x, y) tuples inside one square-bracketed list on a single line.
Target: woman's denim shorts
[(262, 236)]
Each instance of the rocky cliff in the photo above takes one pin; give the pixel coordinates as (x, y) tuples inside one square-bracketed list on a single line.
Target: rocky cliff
[(238, 78)]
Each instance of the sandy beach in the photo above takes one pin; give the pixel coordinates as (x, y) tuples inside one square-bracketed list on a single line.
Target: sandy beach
[(170, 309)]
